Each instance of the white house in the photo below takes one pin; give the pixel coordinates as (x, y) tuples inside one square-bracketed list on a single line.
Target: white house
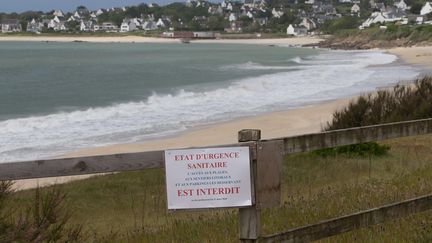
[(401, 5), (308, 23), (100, 11), (232, 17), (376, 17), (229, 7), (149, 25), (277, 13), (58, 13), (128, 25), (138, 22), (86, 25), (153, 5), (291, 30), (77, 15), (419, 20), (163, 22), (10, 25), (355, 9), (71, 18), (224, 4), (109, 27), (190, 3), (57, 23), (34, 26), (426, 9)]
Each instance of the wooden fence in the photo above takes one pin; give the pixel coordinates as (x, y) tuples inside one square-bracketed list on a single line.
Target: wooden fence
[(266, 168)]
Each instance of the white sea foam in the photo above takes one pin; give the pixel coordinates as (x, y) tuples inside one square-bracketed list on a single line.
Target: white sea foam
[(255, 66), (326, 76)]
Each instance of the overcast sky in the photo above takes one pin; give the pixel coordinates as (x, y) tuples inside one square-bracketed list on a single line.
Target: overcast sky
[(19, 6)]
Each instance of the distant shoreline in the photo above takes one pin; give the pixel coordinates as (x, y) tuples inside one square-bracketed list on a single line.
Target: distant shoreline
[(295, 41)]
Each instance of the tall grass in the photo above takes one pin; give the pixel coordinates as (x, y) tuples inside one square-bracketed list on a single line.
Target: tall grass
[(131, 207)]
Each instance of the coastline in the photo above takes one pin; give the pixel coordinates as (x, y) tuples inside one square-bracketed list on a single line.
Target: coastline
[(416, 55), (295, 41), (298, 121)]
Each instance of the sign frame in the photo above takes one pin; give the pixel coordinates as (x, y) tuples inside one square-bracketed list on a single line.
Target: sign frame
[(209, 178)]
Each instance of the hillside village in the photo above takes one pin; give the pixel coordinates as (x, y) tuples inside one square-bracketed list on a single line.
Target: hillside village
[(293, 17)]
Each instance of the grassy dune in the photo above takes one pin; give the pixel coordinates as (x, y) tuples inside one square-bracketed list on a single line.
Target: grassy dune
[(131, 207)]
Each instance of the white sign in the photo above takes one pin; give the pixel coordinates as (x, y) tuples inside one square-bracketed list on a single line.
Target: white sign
[(208, 178)]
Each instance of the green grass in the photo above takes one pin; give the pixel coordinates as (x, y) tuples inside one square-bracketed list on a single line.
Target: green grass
[(131, 207)]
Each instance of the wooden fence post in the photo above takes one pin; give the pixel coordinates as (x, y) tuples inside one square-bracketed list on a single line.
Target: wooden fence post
[(250, 217)]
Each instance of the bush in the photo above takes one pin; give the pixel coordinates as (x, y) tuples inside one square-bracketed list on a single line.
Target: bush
[(403, 103), (45, 220), (355, 150)]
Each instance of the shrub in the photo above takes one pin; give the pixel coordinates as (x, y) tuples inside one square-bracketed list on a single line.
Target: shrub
[(45, 220), (355, 150), (403, 103)]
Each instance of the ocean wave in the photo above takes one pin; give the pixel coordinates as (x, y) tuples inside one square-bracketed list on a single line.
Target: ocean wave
[(255, 66), (347, 74)]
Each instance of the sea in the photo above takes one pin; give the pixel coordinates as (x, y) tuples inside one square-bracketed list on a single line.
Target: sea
[(61, 97)]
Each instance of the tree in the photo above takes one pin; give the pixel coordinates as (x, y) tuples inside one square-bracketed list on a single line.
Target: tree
[(416, 7), (346, 22), (74, 25), (216, 22)]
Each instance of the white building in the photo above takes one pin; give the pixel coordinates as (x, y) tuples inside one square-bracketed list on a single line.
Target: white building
[(308, 23), (34, 26), (277, 13), (232, 17), (58, 13), (128, 25), (376, 17), (10, 25), (87, 25), (57, 24), (149, 25), (355, 9), (291, 30), (230, 7), (401, 5), (426, 9)]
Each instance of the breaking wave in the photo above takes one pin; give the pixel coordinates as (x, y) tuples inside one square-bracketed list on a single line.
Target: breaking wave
[(326, 76)]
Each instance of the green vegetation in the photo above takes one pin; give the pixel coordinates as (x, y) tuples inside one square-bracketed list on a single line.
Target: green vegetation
[(341, 24), (359, 150), (131, 207), (45, 220), (402, 103), (374, 37)]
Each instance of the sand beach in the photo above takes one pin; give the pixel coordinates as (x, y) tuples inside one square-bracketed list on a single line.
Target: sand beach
[(138, 39), (303, 120)]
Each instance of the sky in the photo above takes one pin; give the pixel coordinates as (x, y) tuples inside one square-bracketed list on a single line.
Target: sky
[(8, 6)]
